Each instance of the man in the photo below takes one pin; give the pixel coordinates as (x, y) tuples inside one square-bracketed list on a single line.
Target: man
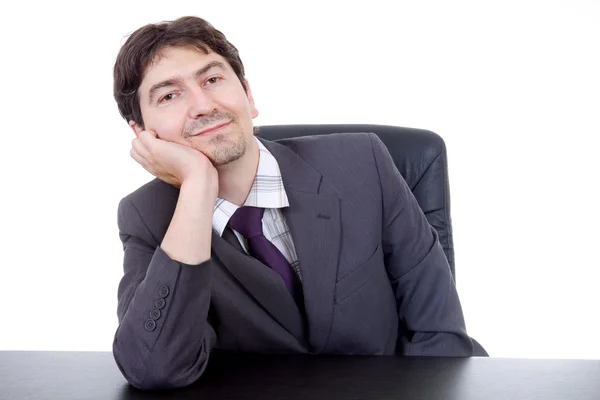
[(311, 245)]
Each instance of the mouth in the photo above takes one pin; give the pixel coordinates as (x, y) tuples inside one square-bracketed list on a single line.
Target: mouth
[(209, 131)]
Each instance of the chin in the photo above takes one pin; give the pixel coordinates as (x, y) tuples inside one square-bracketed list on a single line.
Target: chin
[(219, 159), (224, 151)]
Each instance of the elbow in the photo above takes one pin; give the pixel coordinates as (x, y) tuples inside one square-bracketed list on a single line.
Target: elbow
[(132, 364), (144, 378), (145, 372), (158, 380)]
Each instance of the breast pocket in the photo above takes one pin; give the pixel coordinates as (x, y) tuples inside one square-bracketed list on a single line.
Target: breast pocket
[(358, 278)]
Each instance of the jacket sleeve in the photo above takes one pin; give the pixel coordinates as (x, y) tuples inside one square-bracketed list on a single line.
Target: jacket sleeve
[(163, 339), (429, 310)]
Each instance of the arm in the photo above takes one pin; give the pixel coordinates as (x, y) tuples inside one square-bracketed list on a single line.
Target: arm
[(429, 310), (163, 339), (173, 349)]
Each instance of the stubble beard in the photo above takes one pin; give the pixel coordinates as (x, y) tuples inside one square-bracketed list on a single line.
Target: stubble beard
[(224, 150)]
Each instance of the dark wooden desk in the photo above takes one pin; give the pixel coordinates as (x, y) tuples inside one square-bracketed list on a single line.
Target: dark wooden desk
[(88, 375)]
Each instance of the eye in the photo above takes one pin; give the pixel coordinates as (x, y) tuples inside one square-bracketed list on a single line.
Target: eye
[(167, 98), (213, 79)]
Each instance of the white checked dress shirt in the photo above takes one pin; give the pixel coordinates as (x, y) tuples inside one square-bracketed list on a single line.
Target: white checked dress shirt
[(267, 192)]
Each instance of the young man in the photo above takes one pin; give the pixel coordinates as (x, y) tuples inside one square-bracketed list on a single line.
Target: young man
[(311, 245)]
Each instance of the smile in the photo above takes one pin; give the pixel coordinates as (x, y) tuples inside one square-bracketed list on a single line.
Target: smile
[(211, 130)]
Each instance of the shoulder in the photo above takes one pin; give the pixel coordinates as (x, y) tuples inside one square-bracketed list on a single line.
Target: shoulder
[(148, 208), (150, 193), (328, 142), (332, 149), (346, 161)]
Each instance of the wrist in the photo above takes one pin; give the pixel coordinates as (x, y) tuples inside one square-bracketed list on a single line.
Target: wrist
[(200, 186)]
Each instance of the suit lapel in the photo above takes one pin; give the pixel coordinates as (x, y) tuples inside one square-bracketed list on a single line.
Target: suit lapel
[(264, 284), (314, 221)]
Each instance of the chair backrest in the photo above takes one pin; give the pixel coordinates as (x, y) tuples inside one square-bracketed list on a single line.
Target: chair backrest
[(419, 155)]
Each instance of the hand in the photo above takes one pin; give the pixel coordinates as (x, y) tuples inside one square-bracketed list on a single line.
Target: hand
[(172, 162)]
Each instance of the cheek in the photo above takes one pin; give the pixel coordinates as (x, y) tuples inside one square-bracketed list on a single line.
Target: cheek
[(168, 126), (234, 100), (243, 109)]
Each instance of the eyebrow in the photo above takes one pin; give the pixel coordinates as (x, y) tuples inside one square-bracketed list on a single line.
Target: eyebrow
[(177, 80)]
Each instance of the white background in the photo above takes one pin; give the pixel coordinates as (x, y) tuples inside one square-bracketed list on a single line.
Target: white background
[(513, 87)]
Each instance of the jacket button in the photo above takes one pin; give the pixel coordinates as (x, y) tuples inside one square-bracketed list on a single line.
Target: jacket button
[(160, 303), (164, 291), (150, 325), (155, 314)]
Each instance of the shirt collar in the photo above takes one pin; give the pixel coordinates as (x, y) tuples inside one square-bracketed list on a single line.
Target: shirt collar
[(267, 191)]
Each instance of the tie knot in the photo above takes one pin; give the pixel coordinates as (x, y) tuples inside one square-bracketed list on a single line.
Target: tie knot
[(247, 221)]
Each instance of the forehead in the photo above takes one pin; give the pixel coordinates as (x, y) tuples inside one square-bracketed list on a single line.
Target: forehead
[(177, 62)]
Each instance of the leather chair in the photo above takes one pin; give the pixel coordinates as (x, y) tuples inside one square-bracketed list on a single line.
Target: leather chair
[(421, 158)]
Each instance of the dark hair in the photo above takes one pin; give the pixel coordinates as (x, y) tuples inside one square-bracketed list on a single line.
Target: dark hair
[(144, 46)]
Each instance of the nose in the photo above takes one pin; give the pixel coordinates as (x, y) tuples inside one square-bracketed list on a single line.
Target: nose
[(199, 102)]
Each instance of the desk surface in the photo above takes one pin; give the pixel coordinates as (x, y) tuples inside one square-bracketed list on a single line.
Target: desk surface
[(89, 375)]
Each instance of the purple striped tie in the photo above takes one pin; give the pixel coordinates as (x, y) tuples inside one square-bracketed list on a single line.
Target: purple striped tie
[(248, 222)]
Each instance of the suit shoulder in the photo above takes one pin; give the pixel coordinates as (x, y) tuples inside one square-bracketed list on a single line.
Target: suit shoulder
[(149, 191), (343, 158), (354, 147), (150, 207), (329, 139)]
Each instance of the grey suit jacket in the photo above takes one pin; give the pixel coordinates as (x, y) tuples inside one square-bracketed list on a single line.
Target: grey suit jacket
[(375, 278)]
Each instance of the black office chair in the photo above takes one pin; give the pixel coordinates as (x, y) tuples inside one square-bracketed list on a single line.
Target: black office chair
[(419, 155)]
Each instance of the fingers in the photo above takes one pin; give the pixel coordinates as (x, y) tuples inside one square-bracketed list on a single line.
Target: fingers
[(143, 161), (148, 134), (137, 157), (141, 149), (155, 155), (144, 143)]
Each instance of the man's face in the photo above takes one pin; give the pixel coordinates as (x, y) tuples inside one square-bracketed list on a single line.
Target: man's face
[(186, 93)]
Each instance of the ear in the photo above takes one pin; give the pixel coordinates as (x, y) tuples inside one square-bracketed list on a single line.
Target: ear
[(253, 109), (136, 128)]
